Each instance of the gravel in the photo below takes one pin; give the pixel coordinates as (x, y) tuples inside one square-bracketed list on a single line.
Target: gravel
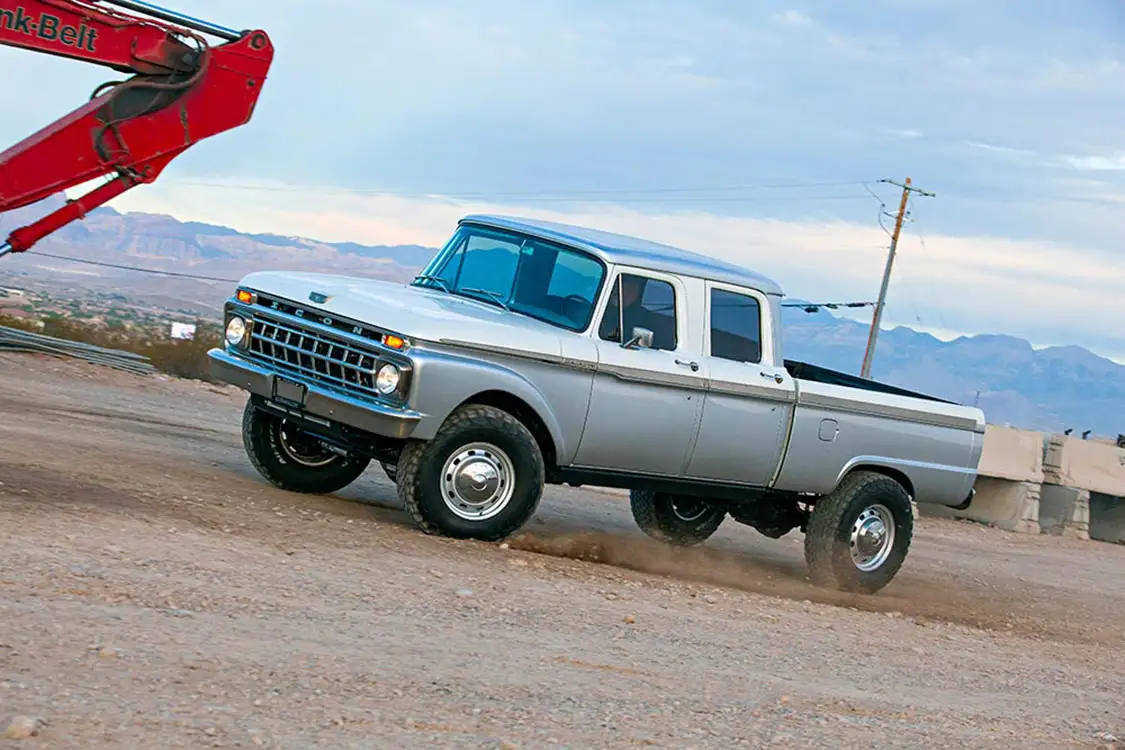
[(155, 592)]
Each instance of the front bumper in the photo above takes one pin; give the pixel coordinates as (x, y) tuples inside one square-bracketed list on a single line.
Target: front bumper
[(313, 400)]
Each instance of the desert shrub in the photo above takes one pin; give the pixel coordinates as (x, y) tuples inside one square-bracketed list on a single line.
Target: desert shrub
[(181, 358)]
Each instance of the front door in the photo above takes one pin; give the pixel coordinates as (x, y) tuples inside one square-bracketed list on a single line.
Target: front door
[(646, 402)]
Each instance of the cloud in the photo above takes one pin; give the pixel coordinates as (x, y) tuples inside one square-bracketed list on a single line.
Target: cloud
[(500, 97), (1112, 163), (793, 18)]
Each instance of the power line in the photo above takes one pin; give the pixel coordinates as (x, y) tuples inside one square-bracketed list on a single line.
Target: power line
[(130, 268), (810, 307), (561, 195)]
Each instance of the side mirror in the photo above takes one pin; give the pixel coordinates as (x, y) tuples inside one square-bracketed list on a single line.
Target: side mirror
[(641, 339)]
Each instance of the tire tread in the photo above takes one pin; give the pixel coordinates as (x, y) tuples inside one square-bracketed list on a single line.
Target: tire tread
[(648, 516), (474, 416), (258, 445), (822, 536)]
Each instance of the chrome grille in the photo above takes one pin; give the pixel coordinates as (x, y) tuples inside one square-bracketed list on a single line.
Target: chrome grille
[(312, 354)]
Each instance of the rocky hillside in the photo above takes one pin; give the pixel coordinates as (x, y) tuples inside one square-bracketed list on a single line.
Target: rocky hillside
[(1050, 389), (164, 243)]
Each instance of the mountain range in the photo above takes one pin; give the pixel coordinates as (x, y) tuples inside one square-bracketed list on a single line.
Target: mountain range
[(1053, 389)]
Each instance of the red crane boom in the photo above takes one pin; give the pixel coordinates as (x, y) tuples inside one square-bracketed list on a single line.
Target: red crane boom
[(182, 90)]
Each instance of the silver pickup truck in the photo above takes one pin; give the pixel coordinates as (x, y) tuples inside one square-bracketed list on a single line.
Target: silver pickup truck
[(530, 353)]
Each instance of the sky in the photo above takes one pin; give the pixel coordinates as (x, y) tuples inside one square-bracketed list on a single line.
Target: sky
[(756, 132)]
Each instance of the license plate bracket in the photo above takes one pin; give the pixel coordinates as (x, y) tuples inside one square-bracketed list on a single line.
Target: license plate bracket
[(289, 392)]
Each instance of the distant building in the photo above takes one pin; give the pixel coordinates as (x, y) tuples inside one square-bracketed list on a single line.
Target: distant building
[(183, 331), (18, 293)]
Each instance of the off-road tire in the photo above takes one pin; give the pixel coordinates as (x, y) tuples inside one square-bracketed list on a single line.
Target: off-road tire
[(656, 516), (261, 439), (420, 472), (828, 553)]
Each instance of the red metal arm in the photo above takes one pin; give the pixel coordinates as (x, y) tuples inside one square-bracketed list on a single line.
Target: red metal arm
[(182, 91)]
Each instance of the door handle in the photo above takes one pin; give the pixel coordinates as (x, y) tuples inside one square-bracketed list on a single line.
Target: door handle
[(772, 376), (693, 365)]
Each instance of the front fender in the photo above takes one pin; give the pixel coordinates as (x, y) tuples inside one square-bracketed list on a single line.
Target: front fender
[(442, 381)]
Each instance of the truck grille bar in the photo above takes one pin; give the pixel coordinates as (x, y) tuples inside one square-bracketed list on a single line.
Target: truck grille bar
[(315, 355)]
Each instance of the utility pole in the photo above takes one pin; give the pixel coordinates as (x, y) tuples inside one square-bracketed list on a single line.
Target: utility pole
[(877, 318)]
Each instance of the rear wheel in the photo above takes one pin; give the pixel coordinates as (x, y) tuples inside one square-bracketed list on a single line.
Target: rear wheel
[(859, 535), (683, 520), (291, 459), (480, 477)]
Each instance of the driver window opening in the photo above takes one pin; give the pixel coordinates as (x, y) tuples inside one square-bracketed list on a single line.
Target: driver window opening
[(649, 303)]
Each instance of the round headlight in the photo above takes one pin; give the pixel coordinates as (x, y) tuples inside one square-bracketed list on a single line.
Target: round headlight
[(386, 380), (236, 331)]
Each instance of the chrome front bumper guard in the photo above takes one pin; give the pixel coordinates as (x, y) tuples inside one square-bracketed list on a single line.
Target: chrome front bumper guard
[(313, 400)]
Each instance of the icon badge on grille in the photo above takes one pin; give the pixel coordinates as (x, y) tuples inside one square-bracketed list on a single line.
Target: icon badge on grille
[(319, 297)]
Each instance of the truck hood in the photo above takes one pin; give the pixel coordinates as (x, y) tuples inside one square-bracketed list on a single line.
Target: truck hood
[(413, 312)]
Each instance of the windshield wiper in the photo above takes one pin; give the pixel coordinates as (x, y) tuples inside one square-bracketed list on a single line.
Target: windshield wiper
[(438, 279), (494, 296)]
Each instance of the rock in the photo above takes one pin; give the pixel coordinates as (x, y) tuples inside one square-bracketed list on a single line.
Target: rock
[(630, 620), (710, 599), (464, 592), (23, 727)]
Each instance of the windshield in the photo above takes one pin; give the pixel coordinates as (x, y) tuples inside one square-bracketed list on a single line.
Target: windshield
[(522, 274)]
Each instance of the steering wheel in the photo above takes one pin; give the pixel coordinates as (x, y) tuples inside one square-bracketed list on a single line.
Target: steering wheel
[(574, 306)]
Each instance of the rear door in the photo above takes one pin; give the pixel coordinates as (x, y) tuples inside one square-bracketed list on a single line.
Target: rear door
[(750, 399)]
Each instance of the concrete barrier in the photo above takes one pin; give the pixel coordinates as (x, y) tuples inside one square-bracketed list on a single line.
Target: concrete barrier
[(1015, 455), (1008, 505), (1064, 511), (1087, 464), (1107, 518)]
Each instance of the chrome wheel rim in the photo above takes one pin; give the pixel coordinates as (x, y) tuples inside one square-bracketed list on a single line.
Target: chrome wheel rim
[(872, 538), (303, 449), (688, 509), (477, 481)]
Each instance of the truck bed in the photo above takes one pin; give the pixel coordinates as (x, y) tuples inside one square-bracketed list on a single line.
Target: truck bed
[(817, 374)]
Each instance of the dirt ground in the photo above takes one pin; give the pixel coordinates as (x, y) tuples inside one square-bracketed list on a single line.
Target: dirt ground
[(156, 593)]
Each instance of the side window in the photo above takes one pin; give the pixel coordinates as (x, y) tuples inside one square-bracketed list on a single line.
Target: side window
[(649, 303), (736, 326)]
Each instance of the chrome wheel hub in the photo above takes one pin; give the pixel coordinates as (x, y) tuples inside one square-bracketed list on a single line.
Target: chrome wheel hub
[(477, 481), (872, 538)]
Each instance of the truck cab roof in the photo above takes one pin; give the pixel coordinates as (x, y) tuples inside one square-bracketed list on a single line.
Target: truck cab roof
[(611, 247)]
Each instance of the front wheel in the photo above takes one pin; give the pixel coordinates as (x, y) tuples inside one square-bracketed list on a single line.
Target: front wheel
[(291, 459), (480, 477), (682, 520), (858, 536)]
